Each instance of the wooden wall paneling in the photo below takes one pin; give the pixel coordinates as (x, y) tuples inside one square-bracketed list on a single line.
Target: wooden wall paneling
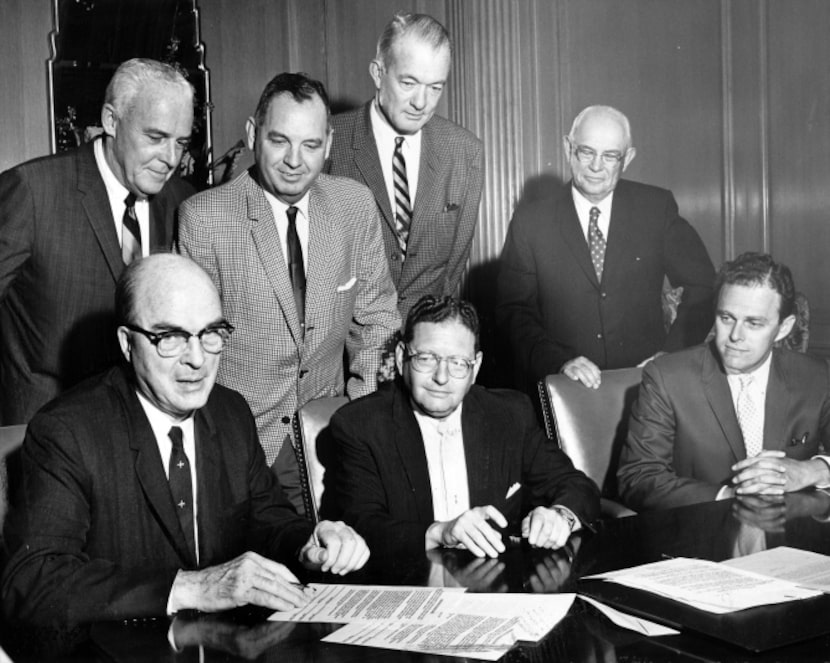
[(24, 50), (746, 127), (799, 151), (659, 61)]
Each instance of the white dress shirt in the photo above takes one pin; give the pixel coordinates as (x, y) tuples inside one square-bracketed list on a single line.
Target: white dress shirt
[(446, 463), (279, 208), (117, 194), (385, 142), (583, 211)]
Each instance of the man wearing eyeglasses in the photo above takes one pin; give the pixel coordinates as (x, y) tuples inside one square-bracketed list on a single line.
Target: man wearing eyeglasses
[(144, 491), (435, 460), (582, 271)]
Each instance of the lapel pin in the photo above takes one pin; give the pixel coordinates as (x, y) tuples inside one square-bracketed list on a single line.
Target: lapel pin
[(802, 440)]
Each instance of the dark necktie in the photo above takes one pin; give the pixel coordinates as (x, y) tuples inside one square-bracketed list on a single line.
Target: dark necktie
[(296, 270), (181, 487), (130, 233), (596, 242), (403, 208)]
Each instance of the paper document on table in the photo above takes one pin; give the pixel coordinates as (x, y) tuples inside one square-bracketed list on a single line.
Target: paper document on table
[(708, 585), (630, 622), (482, 626), (802, 567), (348, 603)]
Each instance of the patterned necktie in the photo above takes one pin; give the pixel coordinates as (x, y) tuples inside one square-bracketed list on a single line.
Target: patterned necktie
[(296, 269), (403, 209), (130, 233), (596, 242), (181, 487), (748, 417)]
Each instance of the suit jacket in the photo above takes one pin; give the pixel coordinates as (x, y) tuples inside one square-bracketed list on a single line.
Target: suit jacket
[(378, 481), (446, 205), (350, 299), (683, 436), (59, 262), (552, 307), (93, 533)]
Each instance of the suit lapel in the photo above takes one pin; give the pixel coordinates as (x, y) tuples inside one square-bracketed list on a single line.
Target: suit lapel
[(368, 163), (97, 207), (621, 243), (321, 257), (572, 234), (477, 451), (777, 406), (267, 241), (716, 388), (209, 488), (410, 446), (150, 471)]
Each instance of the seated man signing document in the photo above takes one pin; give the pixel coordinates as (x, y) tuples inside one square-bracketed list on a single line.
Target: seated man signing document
[(145, 491), (435, 460)]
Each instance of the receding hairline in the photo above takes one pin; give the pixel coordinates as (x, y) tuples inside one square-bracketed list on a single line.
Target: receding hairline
[(420, 27), (597, 110)]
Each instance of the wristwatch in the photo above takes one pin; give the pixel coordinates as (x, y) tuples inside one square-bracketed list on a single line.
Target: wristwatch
[(568, 515)]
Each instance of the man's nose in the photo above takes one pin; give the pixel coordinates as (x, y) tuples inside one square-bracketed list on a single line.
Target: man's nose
[(172, 154), (194, 353), (736, 333), (419, 97), (292, 157), (441, 374)]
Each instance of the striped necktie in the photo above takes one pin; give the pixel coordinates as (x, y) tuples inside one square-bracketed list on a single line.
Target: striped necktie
[(403, 208)]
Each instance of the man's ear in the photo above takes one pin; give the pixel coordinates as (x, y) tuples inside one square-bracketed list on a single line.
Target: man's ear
[(124, 342), (785, 328), (630, 153), (376, 72), (477, 367), (109, 120), (250, 131), (400, 349)]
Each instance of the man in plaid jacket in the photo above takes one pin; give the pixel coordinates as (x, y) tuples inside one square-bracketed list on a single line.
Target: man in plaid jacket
[(297, 259)]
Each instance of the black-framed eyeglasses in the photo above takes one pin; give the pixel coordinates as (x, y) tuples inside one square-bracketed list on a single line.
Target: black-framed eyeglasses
[(427, 362), (587, 155), (173, 342)]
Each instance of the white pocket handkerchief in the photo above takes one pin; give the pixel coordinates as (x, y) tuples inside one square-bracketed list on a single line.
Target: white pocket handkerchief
[(348, 285), (512, 490)]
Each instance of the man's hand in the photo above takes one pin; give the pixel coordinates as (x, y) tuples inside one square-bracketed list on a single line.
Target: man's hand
[(479, 574), (471, 530), (334, 547), (766, 512), (546, 528), (247, 579), (584, 370), (772, 473)]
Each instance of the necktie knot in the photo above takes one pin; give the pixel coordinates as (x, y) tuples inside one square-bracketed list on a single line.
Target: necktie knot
[(130, 231), (291, 212), (175, 435), (129, 201), (593, 215), (745, 381)]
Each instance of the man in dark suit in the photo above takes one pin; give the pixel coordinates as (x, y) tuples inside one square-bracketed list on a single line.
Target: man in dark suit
[(436, 461), (144, 490), (62, 221), (295, 256), (734, 417), (428, 189), (582, 272)]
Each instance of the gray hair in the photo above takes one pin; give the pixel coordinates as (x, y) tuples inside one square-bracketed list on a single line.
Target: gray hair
[(607, 110), (421, 26), (134, 75)]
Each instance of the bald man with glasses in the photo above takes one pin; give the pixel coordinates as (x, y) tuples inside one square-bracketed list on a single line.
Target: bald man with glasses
[(435, 460), (144, 491), (582, 270)]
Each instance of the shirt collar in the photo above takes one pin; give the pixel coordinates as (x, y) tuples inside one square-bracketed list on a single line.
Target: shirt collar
[(281, 207), (451, 424), (760, 376), (583, 205), (385, 133), (161, 422)]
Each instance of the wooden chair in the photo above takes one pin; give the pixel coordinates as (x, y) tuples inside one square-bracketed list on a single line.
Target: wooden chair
[(311, 420), (591, 425)]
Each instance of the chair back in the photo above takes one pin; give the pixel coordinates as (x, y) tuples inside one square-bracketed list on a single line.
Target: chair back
[(11, 437), (591, 425), (309, 422)]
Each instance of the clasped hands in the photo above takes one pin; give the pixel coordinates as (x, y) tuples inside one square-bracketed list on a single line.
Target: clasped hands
[(542, 527), (252, 579), (772, 473)]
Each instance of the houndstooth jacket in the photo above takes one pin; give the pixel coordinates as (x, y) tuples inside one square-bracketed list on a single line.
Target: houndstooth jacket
[(350, 299)]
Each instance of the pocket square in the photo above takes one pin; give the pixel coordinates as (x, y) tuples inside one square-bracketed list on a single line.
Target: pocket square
[(512, 490), (348, 285), (450, 207)]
